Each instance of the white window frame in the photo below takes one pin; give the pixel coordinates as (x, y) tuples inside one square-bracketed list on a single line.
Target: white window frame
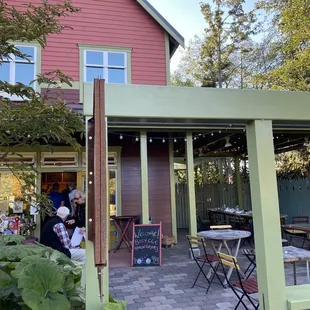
[(27, 158), (105, 65), (66, 164), (12, 74)]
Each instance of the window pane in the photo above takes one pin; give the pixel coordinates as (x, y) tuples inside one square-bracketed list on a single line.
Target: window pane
[(116, 59), (5, 71), (93, 73), (116, 76), (29, 51), (24, 73), (94, 58)]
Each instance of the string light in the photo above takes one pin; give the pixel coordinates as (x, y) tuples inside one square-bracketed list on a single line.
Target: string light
[(175, 140), (150, 140), (164, 140), (121, 137), (137, 139)]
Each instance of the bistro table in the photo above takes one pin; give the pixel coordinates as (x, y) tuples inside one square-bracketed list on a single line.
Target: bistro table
[(292, 254), (223, 236), (122, 224)]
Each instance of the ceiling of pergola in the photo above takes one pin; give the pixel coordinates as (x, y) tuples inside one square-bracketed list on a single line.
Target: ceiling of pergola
[(211, 142)]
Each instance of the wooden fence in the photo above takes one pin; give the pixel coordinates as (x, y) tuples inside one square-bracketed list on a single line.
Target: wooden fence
[(294, 198)]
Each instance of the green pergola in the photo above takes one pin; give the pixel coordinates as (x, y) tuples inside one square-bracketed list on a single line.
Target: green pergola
[(259, 111)]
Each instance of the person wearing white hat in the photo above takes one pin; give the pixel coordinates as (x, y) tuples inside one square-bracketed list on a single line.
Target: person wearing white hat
[(55, 235)]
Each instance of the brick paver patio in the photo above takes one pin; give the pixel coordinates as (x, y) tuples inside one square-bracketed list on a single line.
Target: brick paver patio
[(169, 286)]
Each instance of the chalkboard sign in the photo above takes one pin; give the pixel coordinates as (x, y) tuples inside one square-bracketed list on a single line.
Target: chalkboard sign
[(146, 245)]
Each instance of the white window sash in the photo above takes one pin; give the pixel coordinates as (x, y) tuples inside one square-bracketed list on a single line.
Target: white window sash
[(105, 65)]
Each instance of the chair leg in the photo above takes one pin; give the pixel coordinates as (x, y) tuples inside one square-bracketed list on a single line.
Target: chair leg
[(200, 271), (213, 276)]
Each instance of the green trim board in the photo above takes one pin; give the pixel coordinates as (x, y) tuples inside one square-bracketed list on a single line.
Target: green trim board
[(167, 49), (75, 85), (103, 48), (169, 103), (175, 35)]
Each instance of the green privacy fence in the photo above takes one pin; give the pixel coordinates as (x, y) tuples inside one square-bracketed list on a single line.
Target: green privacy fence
[(294, 198)]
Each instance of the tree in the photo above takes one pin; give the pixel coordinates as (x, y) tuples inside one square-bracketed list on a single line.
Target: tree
[(38, 121), (291, 18), (228, 27)]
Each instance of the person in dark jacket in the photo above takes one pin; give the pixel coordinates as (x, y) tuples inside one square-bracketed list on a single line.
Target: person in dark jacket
[(55, 235)]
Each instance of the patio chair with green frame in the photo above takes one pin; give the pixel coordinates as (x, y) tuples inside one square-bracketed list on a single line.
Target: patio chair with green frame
[(203, 260), (246, 287)]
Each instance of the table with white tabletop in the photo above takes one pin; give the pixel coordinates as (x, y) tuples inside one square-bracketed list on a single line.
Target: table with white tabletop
[(223, 236), (292, 254)]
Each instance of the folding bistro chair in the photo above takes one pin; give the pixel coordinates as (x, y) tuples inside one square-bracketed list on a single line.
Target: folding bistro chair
[(203, 260), (246, 287), (251, 256), (294, 234)]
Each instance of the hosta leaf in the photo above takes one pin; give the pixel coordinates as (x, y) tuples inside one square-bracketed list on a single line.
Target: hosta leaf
[(51, 301), (42, 276), (5, 279)]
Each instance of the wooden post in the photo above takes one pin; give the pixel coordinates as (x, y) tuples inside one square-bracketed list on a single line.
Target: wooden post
[(238, 183), (191, 184), (172, 192), (144, 178), (266, 215)]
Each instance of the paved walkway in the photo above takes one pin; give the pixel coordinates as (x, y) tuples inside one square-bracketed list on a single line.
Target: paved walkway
[(169, 286)]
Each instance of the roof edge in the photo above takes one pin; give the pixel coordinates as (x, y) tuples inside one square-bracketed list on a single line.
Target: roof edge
[(163, 22)]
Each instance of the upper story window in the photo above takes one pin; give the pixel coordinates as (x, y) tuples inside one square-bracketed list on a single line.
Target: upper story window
[(111, 66), (16, 69)]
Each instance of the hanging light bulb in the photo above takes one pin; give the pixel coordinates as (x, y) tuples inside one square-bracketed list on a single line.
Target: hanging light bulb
[(150, 140), (185, 139), (121, 137), (175, 140), (227, 144), (137, 139), (220, 131), (212, 133), (164, 140)]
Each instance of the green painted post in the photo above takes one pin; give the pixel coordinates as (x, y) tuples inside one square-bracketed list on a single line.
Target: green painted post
[(239, 182), (266, 216), (191, 184), (172, 192), (90, 271), (144, 178)]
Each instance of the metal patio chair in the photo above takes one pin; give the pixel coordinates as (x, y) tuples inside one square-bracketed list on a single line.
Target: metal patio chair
[(203, 260), (246, 287), (295, 234)]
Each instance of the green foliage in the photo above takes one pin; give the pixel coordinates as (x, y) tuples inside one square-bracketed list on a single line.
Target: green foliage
[(39, 278), (291, 18), (114, 304), (41, 120), (228, 27)]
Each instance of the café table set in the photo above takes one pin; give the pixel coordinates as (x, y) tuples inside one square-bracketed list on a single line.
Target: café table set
[(291, 254)]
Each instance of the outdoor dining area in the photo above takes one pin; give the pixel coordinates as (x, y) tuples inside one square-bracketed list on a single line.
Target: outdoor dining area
[(228, 236)]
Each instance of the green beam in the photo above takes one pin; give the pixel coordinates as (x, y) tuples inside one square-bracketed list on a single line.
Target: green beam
[(172, 192), (266, 216), (239, 182), (191, 184), (144, 178), (217, 104)]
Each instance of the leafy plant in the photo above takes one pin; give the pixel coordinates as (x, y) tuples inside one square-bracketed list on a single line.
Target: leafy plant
[(36, 277), (114, 304)]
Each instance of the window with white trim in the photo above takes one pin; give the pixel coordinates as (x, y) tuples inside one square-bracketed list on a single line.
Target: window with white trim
[(15, 69), (110, 66)]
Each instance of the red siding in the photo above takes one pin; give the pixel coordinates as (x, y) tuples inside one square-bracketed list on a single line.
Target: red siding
[(121, 23), (159, 183)]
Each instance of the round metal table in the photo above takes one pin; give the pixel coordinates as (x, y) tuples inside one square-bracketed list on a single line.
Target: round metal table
[(224, 235)]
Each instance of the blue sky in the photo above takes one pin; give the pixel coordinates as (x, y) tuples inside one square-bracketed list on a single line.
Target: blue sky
[(185, 17)]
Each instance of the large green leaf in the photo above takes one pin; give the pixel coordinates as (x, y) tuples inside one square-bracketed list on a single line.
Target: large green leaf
[(5, 279), (51, 301), (41, 282)]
